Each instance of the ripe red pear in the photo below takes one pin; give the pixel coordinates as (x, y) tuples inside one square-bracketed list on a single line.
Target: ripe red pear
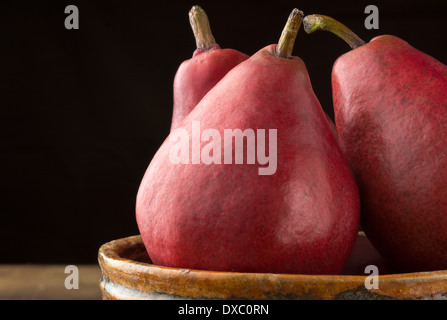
[(390, 103), (209, 63), (332, 125), (302, 217)]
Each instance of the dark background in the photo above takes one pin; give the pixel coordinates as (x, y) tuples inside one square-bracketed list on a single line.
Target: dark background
[(83, 111)]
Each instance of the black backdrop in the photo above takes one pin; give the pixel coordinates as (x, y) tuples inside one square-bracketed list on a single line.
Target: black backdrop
[(83, 111)]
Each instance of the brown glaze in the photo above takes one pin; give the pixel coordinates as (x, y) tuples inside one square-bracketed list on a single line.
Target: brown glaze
[(127, 274)]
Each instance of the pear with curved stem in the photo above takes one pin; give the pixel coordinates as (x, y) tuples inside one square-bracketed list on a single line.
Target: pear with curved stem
[(390, 105)]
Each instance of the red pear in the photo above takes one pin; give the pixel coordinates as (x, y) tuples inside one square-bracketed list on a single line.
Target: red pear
[(298, 212), (332, 124), (209, 63), (390, 104)]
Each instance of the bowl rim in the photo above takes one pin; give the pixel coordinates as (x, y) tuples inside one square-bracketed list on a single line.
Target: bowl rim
[(124, 279), (108, 254)]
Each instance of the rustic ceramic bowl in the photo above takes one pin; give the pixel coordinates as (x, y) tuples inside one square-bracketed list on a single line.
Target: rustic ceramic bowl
[(127, 273)]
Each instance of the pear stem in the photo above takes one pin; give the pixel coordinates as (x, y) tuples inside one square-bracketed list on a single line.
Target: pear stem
[(201, 27), (287, 40), (315, 22)]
